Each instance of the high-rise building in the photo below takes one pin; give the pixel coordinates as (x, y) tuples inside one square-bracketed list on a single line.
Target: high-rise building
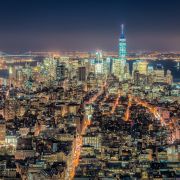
[(91, 80), (136, 77), (99, 63), (99, 55), (140, 79), (109, 65), (159, 74), (169, 77), (140, 66), (122, 53), (2, 130), (126, 71), (49, 68), (60, 71), (98, 68), (82, 73), (122, 46), (119, 67), (150, 69)]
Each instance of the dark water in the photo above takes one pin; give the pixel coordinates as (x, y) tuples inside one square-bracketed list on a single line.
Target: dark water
[(168, 65)]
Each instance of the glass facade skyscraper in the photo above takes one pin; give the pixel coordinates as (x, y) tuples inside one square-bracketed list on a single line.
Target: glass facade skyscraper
[(122, 46), (119, 64)]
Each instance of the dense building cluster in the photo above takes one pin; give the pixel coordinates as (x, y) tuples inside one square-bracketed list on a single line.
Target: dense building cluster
[(69, 117), (119, 149)]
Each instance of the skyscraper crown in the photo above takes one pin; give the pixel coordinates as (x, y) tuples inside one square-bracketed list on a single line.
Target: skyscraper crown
[(122, 32)]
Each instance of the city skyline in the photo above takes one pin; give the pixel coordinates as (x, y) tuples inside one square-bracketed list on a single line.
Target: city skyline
[(86, 26), (89, 90), (71, 118)]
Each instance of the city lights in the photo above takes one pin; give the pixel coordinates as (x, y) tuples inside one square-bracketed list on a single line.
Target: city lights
[(107, 110)]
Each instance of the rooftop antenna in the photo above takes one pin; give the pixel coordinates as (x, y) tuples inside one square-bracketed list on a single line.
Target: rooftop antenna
[(122, 31)]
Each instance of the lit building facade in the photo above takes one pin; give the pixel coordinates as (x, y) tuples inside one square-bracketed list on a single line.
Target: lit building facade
[(122, 46), (99, 63), (2, 131), (159, 74), (141, 66), (93, 140), (60, 71), (120, 63), (82, 73), (169, 77)]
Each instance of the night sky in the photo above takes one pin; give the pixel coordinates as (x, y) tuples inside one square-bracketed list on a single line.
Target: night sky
[(87, 25)]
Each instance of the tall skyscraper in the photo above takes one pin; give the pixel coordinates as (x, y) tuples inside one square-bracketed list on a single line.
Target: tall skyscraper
[(107, 66), (141, 66), (2, 130), (159, 74), (60, 70), (99, 63), (82, 73), (122, 46), (169, 77), (120, 63)]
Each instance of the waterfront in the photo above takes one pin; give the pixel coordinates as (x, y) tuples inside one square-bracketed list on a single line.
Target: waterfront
[(167, 64)]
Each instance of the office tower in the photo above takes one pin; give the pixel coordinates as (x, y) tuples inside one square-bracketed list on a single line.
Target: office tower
[(159, 74), (150, 69), (126, 71), (98, 68), (12, 75), (141, 66), (87, 64), (82, 73), (2, 130), (120, 63), (136, 77), (169, 78), (72, 68), (117, 69), (109, 63), (99, 55), (10, 72), (19, 75), (92, 66), (60, 71), (49, 68), (122, 46), (27, 77), (140, 79), (122, 53), (99, 63), (91, 80), (150, 78)]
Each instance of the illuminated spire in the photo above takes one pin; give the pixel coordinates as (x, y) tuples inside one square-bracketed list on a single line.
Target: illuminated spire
[(122, 31), (122, 45)]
